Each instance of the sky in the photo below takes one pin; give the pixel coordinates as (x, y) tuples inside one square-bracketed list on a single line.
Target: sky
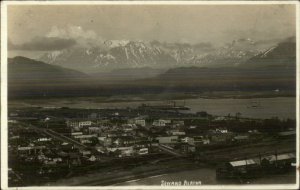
[(35, 29)]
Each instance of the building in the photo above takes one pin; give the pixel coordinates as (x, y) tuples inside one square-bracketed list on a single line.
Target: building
[(241, 138), (76, 133), (221, 130), (85, 136), (85, 152), (76, 124), (188, 140), (239, 169), (187, 148), (281, 161), (124, 141), (167, 140), (86, 139), (92, 130), (161, 122), (178, 122), (201, 140), (221, 137), (138, 121), (143, 151), (44, 139), (30, 149), (176, 133), (122, 151)]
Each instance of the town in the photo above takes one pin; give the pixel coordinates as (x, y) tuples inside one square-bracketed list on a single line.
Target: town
[(48, 143)]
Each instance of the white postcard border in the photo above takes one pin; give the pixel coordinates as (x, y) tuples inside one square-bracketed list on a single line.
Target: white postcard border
[(4, 148)]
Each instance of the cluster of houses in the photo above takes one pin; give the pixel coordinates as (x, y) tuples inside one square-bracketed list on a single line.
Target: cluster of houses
[(139, 135), (140, 131), (120, 140), (117, 137)]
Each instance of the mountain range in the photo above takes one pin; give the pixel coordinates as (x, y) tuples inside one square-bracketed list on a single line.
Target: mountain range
[(120, 54), (272, 69)]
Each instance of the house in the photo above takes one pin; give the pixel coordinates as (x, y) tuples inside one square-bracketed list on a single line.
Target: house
[(221, 130), (101, 138), (84, 123), (128, 127), (201, 140), (187, 148), (78, 124), (44, 139), (92, 130), (86, 139), (85, 152), (142, 143), (118, 142), (143, 151), (242, 163), (176, 132), (138, 121), (188, 140), (52, 161), (108, 141), (100, 149), (178, 122), (221, 137), (161, 122), (92, 158), (124, 141), (12, 121), (122, 151)]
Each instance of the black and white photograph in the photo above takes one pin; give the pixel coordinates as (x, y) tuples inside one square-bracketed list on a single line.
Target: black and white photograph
[(149, 94)]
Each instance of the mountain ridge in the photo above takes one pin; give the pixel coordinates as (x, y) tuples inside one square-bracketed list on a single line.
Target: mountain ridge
[(116, 54)]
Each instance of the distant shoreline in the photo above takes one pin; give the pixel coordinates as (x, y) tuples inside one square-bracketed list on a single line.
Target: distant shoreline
[(165, 96)]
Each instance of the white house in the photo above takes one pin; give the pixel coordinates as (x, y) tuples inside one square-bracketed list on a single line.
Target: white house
[(161, 122)]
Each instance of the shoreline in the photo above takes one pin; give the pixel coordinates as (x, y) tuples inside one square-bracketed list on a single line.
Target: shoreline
[(109, 100)]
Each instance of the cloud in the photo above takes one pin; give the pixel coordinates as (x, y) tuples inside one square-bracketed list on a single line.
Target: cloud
[(60, 38), (43, 44), (83, 37)]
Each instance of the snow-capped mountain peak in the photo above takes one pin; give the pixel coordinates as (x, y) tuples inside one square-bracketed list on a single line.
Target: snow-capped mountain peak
[(116, 54)]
